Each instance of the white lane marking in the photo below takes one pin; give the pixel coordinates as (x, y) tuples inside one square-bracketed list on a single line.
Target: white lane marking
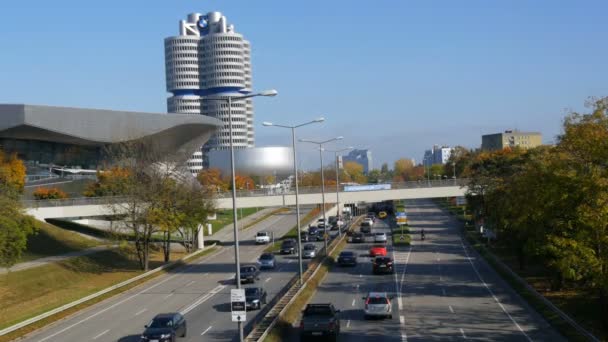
[(290, 261), (402, 320), (169, 295), (267, 279), (203, 299), (204, 332), (348, 324), (140, 312), (404, 337), (440, 278), (190, 283), (101, 334), (492, 293), (400, 301), (280, 269), (451, 309), (463, 335), (106, 309), (360, 275), (443, 291), (354, 300)]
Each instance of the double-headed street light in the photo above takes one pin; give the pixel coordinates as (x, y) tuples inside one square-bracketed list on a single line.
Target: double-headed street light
[(321, 143), (338, 183), (228, 99), (295, 172)]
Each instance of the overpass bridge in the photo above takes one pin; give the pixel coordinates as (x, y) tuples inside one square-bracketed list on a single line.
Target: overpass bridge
[(97, 206)]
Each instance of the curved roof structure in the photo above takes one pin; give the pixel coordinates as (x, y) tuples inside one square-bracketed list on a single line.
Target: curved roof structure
[(97, 127)]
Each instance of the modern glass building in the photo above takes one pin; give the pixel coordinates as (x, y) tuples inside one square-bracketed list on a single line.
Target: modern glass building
[(363, 157), (209, 59)]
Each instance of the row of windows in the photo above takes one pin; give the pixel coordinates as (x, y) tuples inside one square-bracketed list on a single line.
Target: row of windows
[(214, 45), (224, 38), (220, 67), (220, 83)]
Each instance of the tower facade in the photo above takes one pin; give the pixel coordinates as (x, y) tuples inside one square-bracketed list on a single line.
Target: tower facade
[(208, 60)]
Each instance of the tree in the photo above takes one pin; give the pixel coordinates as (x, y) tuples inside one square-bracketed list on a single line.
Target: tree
[(109, 182), (354, 172), (374, 176), (212, 181), (12, 172), (43, 193), (243, 182)]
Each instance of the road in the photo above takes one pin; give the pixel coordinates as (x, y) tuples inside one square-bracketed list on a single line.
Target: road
[(201, 291), (443, 291)]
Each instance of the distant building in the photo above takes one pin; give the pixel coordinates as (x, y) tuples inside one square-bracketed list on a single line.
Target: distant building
[(363, 157), (510, 138), (437, 155)]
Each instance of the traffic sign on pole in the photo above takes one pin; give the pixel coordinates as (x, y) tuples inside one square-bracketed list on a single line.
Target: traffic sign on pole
[(237, 305)]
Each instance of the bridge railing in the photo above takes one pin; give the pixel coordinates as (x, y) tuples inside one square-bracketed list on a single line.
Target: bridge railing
[(259, 192)]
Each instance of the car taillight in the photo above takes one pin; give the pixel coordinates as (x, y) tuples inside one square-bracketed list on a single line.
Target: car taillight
[(366, 303), (389, 263)]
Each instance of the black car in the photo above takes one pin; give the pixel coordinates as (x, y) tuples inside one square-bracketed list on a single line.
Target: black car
[(383, 264), (347, 258), (289, 247), (314, 234), (165, 328), (255, 297), (357, 238), (249, 273)]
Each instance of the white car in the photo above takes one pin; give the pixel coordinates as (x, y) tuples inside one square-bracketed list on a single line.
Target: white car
[(262, 237), (379, 237), (378, 304), (369, 221)]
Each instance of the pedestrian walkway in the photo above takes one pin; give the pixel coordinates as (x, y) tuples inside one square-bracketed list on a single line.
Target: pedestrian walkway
[(55, 258)]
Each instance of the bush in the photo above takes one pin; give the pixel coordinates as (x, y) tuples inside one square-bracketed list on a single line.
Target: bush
[(49, 193)]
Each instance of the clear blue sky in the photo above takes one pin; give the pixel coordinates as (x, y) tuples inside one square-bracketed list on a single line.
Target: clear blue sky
[(394, 76)]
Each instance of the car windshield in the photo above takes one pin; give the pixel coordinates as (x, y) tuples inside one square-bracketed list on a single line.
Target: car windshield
[(347, 254), (162, 322), (288, 243), (383, 260), (379, 234), (266, 257), (262, 234), (377, 300), (247, 269), (318, 310), (309, 247), (378, 247), (251, 291)]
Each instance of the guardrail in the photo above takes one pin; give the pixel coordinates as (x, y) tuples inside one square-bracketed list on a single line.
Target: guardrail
[(96, 294), (261, 327), (248, 193)]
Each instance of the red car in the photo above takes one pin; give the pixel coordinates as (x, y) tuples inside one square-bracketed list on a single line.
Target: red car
[(377, 251)]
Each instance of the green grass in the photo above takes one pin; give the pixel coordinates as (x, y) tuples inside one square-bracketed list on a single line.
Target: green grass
[(224, 218), (51, 240), (293, 232), (398, 232)]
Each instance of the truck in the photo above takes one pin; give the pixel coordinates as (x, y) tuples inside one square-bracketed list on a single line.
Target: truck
[(320, 320), (262, 237)]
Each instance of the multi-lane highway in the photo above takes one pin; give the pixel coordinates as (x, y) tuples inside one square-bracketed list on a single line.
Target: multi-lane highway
[(442, 289), (201, 291)]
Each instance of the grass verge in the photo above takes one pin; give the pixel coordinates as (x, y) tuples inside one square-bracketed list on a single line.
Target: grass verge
[(401, 236), (564, 301), (50, 240), (263, 217), (293, 232), (28, 293)]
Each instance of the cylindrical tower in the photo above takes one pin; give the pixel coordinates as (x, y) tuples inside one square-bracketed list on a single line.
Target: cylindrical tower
[(209, 60)]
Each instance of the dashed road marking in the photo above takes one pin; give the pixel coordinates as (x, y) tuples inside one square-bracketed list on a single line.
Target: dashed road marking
[(190, 283), (140, 312), (443, 291), (203, 299), (267, 279), (451, 309), (169, 295), (101, 334), (204, 332), (348, 324), (463, 334), (354, 300)]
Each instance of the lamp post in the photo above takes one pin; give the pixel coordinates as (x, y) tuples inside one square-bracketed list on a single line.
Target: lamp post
[(237, 263), (338, 184), (321, 143), (295, 172)]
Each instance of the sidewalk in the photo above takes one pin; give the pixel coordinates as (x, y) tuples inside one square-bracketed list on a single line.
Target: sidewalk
[(55, 258)]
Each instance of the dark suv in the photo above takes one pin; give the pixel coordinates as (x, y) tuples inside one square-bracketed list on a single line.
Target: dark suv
[(255, 297), (320, 320), (165, 328), (383, 264), (289, 247), (249, 273)]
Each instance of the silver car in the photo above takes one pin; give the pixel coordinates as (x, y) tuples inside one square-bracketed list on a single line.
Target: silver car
[(378, 304), (309, 251), (267, 260), (379, 237)]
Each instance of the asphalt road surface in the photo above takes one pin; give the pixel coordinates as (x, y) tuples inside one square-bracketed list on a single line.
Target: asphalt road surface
[(201, 291), (443, 290)]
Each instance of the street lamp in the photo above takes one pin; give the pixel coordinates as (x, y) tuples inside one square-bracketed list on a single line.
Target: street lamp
[(295, 171), (228, 99), (338, 184), (321, 143)]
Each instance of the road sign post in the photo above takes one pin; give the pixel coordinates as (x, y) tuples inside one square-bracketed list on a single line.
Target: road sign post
[(237, 305)]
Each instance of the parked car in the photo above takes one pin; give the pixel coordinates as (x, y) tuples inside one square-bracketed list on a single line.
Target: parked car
[(309, 251), (382, 264), (289, 246), (378, 304), (249, 273), (267, 260), (347, 258), (377, 251), (320, 320), (255, 297), (165, 327), (262, 237), (379, 237), (357, 238)]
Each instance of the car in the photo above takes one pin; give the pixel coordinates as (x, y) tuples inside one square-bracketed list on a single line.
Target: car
[(309, 251), (347, 258), (370, 221), (289, 246), (262, 237), (378, 304), (332, 219), (371, 215), (366, 227), (322, 223), (382, 214), (304, 237), (255, 297), (377, 251), (379, 237), (357, 238), (165, 327), (267, 260), (249, 273), (320, 320), (382, 264)]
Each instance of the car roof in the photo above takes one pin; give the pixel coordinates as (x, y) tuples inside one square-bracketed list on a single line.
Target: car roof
[(166, 315), (310, 245), (378, 294), (379, 247)]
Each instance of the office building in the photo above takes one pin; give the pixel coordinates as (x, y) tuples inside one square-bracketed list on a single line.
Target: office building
[(437, 155), (510, 138), (209, 59), (363, 157)]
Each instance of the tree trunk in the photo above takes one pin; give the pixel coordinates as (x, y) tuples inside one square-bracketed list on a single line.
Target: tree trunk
[(146, 253), (167, 247), (521, 258)]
